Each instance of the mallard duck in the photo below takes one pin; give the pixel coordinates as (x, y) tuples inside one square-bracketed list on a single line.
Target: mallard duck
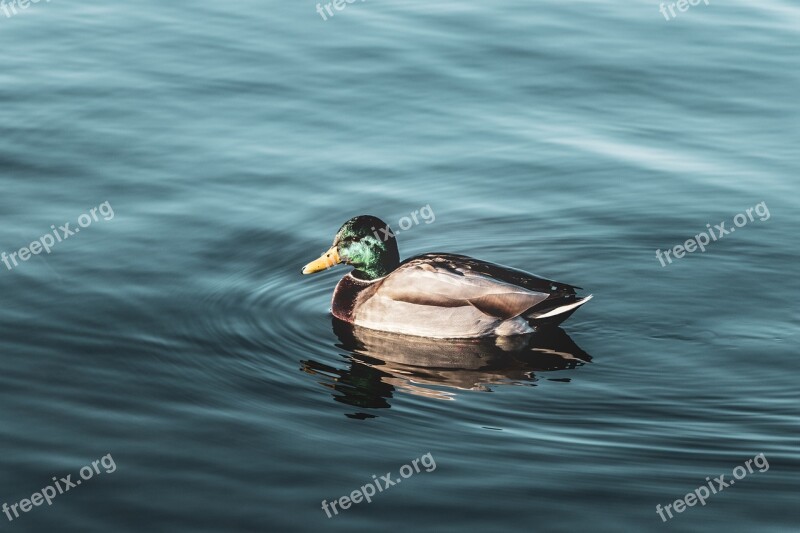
[(436, 294)]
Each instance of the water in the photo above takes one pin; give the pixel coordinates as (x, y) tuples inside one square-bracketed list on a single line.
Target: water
[(231, 140)]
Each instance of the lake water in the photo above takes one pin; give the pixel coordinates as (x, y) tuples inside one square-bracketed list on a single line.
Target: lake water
[(230, 140)]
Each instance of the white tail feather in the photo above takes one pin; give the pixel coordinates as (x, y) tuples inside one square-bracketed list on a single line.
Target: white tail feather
[(563, 308)]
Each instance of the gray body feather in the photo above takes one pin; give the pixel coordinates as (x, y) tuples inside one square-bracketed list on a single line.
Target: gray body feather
[(449, 296)]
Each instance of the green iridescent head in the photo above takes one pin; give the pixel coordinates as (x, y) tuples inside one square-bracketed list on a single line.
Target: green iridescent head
[(364, 242)]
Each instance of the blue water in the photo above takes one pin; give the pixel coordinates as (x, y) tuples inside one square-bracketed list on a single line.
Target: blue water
[(569, 139)]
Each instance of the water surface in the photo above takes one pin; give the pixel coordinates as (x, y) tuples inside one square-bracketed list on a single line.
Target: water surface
[(572, 140)]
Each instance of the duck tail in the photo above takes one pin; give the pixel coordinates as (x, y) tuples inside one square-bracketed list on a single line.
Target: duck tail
[(554, 311)]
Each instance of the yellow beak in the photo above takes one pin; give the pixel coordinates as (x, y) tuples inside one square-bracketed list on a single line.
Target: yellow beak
[(326, 260)]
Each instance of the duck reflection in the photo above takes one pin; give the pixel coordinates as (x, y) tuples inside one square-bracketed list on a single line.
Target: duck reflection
[(380, 363)]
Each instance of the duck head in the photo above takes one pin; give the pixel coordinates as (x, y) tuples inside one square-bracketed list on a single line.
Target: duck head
[(364, 242)]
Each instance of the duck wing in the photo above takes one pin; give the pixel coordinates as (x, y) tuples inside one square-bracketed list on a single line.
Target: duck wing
[(449, 280), (514, 276), (455, 296)]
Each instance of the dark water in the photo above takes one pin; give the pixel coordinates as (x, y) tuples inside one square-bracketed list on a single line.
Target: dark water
[(570, 139)]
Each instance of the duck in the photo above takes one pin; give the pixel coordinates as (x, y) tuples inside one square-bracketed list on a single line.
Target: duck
[(436, 295)]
